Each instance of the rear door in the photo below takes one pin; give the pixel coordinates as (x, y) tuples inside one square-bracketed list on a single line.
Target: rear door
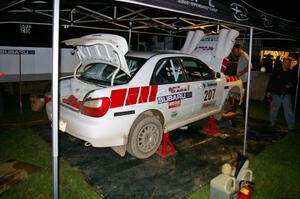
[(206, 87), (174, 96)]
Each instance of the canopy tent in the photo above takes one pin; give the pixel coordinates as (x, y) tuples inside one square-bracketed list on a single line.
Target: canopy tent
[(173, 17)]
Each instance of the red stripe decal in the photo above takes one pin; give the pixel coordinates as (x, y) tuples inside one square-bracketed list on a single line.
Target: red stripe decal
[(153, 93), (223, 69), (225, 62), (117, 97), (144, 94), (132, 96)]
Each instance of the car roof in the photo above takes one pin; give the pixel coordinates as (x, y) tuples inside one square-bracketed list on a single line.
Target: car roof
[(147, 55)]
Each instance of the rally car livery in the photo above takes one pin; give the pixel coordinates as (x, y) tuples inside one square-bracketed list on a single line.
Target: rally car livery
[(128, 100)]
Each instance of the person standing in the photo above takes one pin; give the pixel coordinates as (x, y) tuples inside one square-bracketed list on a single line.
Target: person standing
[(268, 63), (277, 63), (242, 69), (280, 88)]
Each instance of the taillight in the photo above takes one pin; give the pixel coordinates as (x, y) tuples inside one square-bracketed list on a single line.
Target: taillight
[(95, 107)]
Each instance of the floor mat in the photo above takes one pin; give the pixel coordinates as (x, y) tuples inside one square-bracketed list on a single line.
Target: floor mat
[(198, 159), (12, 172)]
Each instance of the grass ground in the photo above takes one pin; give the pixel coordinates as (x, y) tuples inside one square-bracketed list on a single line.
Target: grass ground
[(275, 170), (18, 141)]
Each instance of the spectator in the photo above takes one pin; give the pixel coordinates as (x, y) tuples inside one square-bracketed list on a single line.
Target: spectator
[(268, 63), (277, 63), (280, 88), (242, 69), (231, 66)]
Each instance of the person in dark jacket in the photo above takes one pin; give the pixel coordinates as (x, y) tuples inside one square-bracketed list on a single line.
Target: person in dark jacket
[(268, 63), (280, 88), (277, 63)]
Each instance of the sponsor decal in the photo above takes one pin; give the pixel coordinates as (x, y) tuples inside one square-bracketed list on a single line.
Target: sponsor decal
[(208, 104), (268, 21), (178, 89), (174, 104), (206, 48), (174, 114), (240, 13), (210, 39), (174, 97), (195, 3), (17, 52), (209, 84)]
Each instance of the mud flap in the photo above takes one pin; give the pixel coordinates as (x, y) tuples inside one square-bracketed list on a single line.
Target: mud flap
[(121, 150)]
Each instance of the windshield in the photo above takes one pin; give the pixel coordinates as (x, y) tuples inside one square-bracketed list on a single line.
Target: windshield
[(103, 73)]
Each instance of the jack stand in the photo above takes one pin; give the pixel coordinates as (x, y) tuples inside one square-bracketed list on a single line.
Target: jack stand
[(166, 148), (210, 128)]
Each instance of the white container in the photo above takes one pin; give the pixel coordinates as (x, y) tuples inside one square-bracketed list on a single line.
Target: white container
[(222, 187)]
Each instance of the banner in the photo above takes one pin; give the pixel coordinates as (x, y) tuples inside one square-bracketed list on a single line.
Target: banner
[(231, 11)]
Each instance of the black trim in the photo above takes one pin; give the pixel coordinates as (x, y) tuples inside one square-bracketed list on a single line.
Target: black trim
[(116, 114), (226, 87)]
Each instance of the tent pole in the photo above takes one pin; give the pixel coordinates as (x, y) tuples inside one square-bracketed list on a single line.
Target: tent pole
[(20, 84), (297, 87), (55, 54), (248, 91)]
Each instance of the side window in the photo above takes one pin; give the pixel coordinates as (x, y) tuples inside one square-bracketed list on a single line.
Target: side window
[(168, 71), (197, 70)]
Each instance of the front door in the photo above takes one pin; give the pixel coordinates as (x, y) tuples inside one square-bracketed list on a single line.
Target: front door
[(174, 96), (207, 90)]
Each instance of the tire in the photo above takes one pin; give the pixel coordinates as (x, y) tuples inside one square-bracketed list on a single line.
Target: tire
[(145, 137)]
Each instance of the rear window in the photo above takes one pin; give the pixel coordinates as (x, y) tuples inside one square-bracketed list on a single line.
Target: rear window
[(103, 73)]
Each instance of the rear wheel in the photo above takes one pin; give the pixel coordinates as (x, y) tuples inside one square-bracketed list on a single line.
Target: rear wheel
[(145, 137)]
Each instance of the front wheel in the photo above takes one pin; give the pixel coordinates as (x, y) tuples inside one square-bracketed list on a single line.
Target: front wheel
[(145, 137)]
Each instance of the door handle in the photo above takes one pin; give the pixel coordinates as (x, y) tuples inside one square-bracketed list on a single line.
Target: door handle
[(199, 86)]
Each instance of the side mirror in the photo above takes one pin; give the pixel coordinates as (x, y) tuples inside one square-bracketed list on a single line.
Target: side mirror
[(218, 75)]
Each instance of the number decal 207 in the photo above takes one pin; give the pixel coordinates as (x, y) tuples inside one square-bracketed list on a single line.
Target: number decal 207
[(209, 94)]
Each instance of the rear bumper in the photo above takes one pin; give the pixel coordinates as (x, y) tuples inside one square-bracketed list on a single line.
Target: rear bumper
[(100, 132)]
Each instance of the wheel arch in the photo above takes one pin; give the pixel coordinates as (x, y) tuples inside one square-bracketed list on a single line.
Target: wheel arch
[(132, 147), (156, 113), (236, 90)]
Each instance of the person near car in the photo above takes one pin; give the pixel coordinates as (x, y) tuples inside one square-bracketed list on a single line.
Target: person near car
[(280, 88), (242, 69)]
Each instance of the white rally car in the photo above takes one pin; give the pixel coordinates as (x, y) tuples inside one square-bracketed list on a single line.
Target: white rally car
[(128, 100)]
